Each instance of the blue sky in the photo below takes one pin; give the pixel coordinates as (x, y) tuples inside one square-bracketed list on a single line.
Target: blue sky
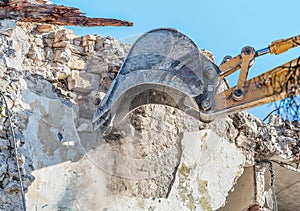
[(222, 27)]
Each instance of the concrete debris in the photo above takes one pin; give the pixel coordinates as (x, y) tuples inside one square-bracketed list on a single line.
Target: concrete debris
[(54, 80)]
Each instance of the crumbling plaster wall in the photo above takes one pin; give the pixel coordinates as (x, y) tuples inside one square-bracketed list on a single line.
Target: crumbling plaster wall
[(53, 81)]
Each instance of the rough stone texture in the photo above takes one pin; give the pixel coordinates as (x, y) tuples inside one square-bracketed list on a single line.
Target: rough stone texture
[(46, 13), (277, 140), (34, 75), (53, 81)]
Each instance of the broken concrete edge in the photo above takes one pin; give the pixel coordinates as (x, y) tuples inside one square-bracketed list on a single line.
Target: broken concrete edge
[(277, 140), (54, 14)]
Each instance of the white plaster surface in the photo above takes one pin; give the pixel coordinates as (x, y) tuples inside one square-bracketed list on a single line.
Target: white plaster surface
[(207, 171)]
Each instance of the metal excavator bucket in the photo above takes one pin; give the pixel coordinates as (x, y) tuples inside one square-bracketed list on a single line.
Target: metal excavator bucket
[(163, 67)]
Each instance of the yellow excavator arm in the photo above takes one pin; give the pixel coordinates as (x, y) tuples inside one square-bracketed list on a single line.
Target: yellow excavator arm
[(278, 83), (280, 46)]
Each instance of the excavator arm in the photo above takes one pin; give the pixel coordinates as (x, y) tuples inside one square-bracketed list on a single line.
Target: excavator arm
[(278, 83), (166, 67)]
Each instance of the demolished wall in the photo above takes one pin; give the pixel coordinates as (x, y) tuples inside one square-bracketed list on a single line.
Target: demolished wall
[(53, 80)]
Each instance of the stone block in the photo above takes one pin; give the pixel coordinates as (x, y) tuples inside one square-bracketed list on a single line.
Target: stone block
[(39, 42), (83, 82), (44, 28), (70, 36), (76, 63), (89, 37), (72, 80), (77, 41), (77, 49), (61, 44), (49, 55), (61, 71), (35, 53), (48, 42), (62, 56), (64, 34), (97, 66)]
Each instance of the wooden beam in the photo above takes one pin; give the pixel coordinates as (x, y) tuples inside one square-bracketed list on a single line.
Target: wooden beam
[(52, 14)]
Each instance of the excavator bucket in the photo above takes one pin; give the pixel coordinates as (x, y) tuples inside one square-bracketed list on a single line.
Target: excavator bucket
[(163, 67)]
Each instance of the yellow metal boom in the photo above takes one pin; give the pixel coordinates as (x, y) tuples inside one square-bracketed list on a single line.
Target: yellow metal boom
[(278, 83)]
